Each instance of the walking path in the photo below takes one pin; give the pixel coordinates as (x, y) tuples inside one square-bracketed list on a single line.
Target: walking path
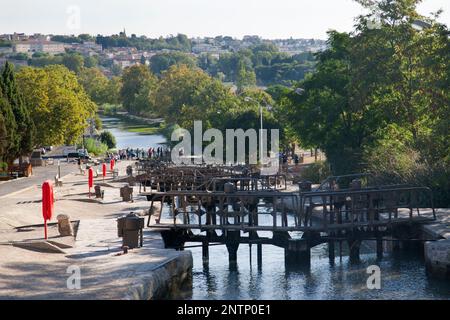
[(145, 273), (40, 174)]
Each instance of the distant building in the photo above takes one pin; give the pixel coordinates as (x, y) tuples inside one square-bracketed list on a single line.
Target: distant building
[(87, 48), (39, 46), (14, 37), (124, 63)]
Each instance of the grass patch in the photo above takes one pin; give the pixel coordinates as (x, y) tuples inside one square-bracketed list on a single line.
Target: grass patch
[(142, 129)]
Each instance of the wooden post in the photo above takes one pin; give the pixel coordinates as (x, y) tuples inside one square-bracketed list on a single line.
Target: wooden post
[(331, 254), (379, 248), (354, 246), (259, 255), (205, 251)]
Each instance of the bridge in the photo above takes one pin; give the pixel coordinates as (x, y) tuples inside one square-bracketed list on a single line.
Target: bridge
[(230, 206)]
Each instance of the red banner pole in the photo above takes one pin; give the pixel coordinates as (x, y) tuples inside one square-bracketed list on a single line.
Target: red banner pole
[(45, 229)]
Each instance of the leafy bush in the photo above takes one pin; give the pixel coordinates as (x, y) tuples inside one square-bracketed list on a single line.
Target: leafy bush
[(392, 162), (3, 166), (316, 172), (108, 138), (95, 147), (110, 109)]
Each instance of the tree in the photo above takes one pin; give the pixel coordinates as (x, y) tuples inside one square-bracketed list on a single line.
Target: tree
[(245, 77), (73, 61), (25, 125), (162, 62), (91, 61), (95, 84), (108, 138), (113, 90), (385, 82), (3, 137), (178, 88), (59, 105), (137, 83), (9, 138)]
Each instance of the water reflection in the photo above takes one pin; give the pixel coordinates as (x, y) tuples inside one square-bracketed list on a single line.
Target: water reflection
[(126, 139)]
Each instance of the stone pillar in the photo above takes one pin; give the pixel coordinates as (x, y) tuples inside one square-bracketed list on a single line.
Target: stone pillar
[(297, 253), (64, 226), (354, 245), (232, 252), (437, 258)]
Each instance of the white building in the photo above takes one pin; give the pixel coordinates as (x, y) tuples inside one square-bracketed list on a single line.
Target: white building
[(39, 46)]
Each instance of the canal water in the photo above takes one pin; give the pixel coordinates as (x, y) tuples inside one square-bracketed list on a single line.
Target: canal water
[(128, 139), (403, 275)]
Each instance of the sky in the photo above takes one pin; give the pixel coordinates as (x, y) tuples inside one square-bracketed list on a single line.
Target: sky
[(270, 19)]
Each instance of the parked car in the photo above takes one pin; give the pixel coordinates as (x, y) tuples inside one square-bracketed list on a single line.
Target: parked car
[(76, 155), (69, 149)]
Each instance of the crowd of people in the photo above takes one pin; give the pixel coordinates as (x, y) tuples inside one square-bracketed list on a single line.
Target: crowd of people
[(137, 154)]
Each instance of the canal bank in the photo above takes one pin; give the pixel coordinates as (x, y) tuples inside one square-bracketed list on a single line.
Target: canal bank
[(133, 134), (95, 253)]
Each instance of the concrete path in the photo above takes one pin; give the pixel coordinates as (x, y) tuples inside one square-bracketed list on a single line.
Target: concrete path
[(40, 174), (105, 273), (146, 273)]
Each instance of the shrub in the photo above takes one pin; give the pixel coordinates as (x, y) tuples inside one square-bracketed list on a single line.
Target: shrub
[(316, 172), (3, 166), (395, 163), (95, 147), (108, 138)]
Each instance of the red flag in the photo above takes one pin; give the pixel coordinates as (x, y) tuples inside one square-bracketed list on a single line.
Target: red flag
[(91, 178), (47, 203), (104, 169), (112, 164)]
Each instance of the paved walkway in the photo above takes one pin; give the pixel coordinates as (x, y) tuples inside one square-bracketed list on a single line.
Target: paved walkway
[(105, 273), (40, 174), (143, 273)]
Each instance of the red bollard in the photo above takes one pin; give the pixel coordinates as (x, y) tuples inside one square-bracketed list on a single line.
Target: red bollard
[(91, 180), (47, 204), (104, 171)]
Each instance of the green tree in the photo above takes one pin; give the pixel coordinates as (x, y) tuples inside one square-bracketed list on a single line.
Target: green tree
[(73, 61), (108, 138), (113, 90), (245, 77), (25, 126), (178, 88), (95, 83), (162, 62), (59, 106), (137, 83), (9, 139), (91, 62), (386, 81), (3, 137)]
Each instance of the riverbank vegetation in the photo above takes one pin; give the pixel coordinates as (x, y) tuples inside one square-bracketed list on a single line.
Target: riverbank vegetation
[(95, 147), (17, 129), (41, 107), (379, 100)]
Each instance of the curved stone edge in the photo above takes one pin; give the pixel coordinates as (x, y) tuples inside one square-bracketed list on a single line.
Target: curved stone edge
[(163, 280), (437, 258)]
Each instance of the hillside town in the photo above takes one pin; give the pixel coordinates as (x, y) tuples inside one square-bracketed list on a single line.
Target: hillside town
[(20, 48)]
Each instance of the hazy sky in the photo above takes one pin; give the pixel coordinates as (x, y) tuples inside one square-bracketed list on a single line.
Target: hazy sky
[(266, 18)]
